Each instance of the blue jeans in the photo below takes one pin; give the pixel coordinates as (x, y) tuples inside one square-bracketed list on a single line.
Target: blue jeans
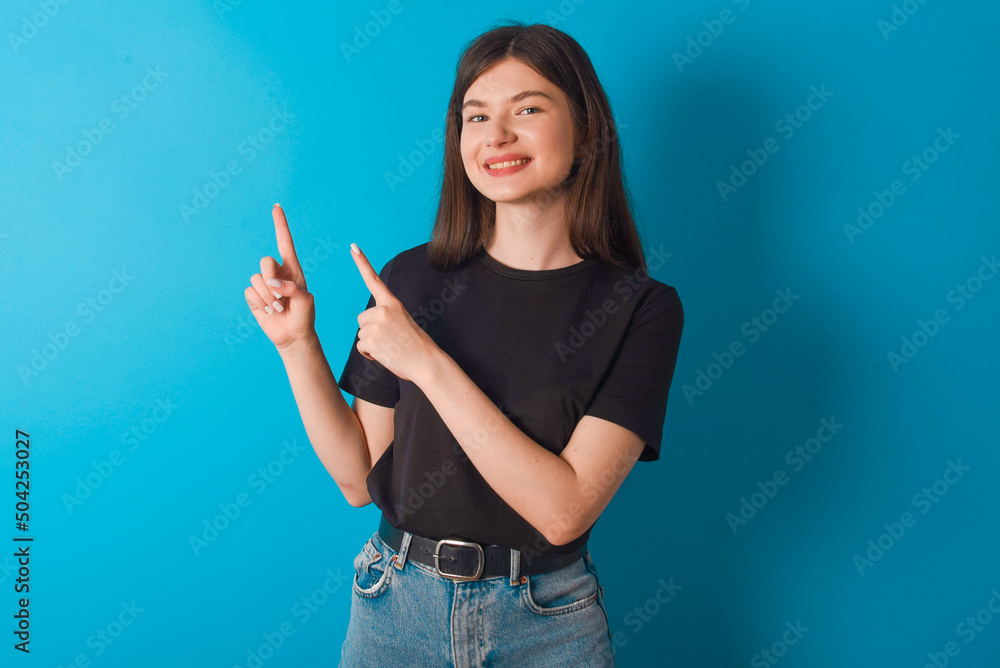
[(403, 613)]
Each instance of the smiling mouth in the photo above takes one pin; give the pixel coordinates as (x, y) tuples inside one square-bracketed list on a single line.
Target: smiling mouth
[(509, 163)]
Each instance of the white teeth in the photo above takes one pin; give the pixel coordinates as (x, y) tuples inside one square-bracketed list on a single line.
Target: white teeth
[(501, 165)]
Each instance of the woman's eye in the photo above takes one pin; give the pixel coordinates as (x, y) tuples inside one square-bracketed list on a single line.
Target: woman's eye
[(472, 118)]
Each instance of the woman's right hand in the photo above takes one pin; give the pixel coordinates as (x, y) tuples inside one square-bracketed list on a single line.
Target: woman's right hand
[(287, 313)]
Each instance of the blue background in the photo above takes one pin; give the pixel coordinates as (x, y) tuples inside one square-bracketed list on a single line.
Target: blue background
[(178, 332)]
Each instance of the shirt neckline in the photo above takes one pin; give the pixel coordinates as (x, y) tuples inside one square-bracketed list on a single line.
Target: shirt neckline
[(532, 274)]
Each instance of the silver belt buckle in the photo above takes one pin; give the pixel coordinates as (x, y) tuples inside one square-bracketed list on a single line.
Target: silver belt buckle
[(437, 556)]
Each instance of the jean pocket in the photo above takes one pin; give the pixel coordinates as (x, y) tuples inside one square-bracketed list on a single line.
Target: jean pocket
[(567, 589), (372, 570)]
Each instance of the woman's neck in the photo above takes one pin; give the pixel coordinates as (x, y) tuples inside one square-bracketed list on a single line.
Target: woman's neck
[(526, 236)]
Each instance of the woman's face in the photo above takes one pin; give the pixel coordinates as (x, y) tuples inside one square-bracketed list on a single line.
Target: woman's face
[(538, 127)]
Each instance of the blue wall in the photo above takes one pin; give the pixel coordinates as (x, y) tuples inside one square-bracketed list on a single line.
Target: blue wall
[(823, 177)]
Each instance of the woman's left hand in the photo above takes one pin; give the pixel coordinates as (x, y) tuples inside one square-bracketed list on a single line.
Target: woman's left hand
[(387, 333)]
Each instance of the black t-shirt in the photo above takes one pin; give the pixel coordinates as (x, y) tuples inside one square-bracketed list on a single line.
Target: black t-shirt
[(547, 347)]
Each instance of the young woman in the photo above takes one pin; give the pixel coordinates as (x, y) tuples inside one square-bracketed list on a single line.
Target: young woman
[(506, 375)]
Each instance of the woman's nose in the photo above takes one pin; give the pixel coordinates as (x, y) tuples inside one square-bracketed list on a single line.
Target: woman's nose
[(499, 134)]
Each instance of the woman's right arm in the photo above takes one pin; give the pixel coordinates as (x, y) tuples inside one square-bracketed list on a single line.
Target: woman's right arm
[(285, 309), (333, 428)]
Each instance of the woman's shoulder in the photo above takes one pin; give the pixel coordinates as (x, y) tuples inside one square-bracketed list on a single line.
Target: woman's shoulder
[(408, 259), (638, 285), (415, 262)]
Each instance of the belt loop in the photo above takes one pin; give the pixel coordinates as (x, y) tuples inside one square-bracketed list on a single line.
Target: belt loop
[(515, 567), (403, 547)]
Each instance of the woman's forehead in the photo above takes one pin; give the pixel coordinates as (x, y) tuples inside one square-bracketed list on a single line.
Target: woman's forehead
[(506, 78)]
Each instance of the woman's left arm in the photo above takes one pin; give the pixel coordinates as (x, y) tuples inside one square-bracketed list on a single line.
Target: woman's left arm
[(560, 495)]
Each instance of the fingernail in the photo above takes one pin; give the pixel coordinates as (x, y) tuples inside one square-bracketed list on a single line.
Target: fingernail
[(268, 309), (355, 249), (277, 306), (274, 282), (277, 204)]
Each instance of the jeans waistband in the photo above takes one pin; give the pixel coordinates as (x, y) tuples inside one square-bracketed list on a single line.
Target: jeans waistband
[(459, 559)]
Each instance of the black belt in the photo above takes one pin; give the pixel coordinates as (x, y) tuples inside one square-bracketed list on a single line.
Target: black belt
[(467, 560)]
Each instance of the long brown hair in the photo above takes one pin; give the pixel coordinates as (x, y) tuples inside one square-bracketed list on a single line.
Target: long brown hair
[(597, 202)]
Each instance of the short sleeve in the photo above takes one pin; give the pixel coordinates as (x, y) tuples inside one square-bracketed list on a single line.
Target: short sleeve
[(634, 391), (367, 379)]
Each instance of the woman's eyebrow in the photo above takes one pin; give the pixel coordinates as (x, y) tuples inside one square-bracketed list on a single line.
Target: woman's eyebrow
[(513, 98)]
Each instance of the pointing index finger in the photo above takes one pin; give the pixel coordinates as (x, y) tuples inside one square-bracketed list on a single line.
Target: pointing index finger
[(285, 246), (375, 285)]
